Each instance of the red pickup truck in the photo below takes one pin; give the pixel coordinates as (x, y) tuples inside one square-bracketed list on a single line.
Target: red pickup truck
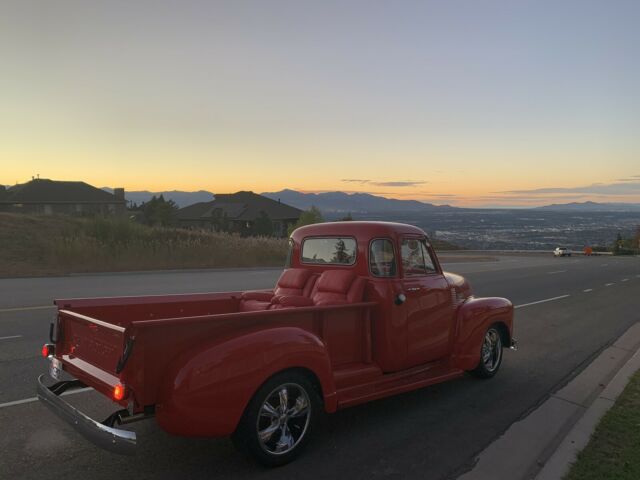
[(362, 311)]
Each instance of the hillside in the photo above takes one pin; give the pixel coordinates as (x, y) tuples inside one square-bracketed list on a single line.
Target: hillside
[(56, 245), (341, 202), (51, 245), (181, 198)]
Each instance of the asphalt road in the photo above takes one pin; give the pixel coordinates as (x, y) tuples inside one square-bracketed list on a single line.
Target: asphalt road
[(585, 303)]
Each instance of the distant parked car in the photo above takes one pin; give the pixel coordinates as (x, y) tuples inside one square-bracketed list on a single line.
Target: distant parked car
[(562, 252)]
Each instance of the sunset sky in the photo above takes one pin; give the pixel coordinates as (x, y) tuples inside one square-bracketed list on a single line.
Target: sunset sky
[(470, 103)]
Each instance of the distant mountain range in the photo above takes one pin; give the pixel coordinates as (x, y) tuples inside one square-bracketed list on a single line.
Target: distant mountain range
[(593, 207), (181, 198), (340, 202)]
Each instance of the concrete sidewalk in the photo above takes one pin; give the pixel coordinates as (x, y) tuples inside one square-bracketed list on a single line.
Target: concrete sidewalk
[(545, 443)]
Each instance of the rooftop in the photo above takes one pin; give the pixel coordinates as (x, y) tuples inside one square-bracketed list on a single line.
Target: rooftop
[(42, 190), (239, 206)]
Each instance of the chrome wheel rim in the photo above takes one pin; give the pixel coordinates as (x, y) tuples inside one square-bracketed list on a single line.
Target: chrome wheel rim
[(283, 419), (491, 350)]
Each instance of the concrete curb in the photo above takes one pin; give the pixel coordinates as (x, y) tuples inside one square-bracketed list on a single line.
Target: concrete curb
[(578, 438), (541, 443)]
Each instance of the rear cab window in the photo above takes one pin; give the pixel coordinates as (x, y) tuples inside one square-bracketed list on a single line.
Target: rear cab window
[(329, 250)]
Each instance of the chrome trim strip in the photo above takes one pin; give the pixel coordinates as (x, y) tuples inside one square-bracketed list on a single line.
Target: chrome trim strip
[(79, 316)]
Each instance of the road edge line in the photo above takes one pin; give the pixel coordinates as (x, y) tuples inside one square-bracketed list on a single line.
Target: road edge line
[(552, 299)]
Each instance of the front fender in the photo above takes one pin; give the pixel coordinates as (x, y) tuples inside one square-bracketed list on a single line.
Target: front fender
[(207, 390), (474, 317)]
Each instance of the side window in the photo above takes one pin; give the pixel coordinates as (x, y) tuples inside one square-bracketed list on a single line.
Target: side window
[(412, 257), (382, 262), (428, 261)]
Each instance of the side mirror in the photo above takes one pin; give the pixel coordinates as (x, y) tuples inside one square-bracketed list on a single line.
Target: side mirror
[(400, 299)]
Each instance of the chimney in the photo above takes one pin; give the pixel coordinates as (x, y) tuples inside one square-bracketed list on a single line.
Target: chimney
[(118, 193)]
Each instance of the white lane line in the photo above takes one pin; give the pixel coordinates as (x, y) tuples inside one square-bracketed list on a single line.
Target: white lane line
[(24, 309), (10, 337), (35, 399), (542, 301), (588, 290), (557, 271), (608, 284), (624, 280)]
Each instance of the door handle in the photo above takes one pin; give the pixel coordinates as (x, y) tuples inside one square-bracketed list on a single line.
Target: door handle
[(414, 289)]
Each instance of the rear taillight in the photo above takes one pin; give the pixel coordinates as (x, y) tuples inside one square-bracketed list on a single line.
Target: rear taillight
[(48, 349), (119, 392)]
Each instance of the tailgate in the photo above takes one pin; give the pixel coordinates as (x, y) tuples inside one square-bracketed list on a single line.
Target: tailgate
[(90, 349)]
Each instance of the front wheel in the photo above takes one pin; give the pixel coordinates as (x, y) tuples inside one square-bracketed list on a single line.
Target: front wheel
[(277, 423), (490, 354)]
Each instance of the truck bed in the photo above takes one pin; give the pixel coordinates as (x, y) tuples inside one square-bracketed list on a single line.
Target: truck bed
[(93, 334)]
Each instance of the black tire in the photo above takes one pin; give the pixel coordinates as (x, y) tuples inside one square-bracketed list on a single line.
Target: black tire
[(288, 433), (488, 367)]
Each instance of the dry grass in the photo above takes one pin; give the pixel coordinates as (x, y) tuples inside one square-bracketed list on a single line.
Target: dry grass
[(45, 245)]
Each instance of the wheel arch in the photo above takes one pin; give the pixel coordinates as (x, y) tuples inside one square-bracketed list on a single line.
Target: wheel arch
[(208, 390), (474, 318), (505, 332)]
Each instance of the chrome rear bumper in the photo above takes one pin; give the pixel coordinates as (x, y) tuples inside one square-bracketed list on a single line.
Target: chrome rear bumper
[(113, 439)]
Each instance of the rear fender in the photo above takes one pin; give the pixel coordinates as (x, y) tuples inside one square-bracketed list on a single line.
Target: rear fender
[(474, 317), (206, 391)]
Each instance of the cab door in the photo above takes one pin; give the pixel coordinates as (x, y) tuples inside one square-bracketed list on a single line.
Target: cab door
[(428, 303)]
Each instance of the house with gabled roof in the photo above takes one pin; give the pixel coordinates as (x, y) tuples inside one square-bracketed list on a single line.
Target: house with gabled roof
[(239, 212), (47, 197)]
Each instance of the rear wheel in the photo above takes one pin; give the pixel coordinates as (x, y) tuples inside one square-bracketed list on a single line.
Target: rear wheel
[(277, 423), (490, 354)]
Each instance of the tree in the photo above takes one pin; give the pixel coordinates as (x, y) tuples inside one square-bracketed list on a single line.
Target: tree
[(340, 255), (263, 226), (308, 217), (159, 212)]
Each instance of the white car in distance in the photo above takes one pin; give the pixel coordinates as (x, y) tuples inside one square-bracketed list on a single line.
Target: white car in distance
[(562, 252)]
